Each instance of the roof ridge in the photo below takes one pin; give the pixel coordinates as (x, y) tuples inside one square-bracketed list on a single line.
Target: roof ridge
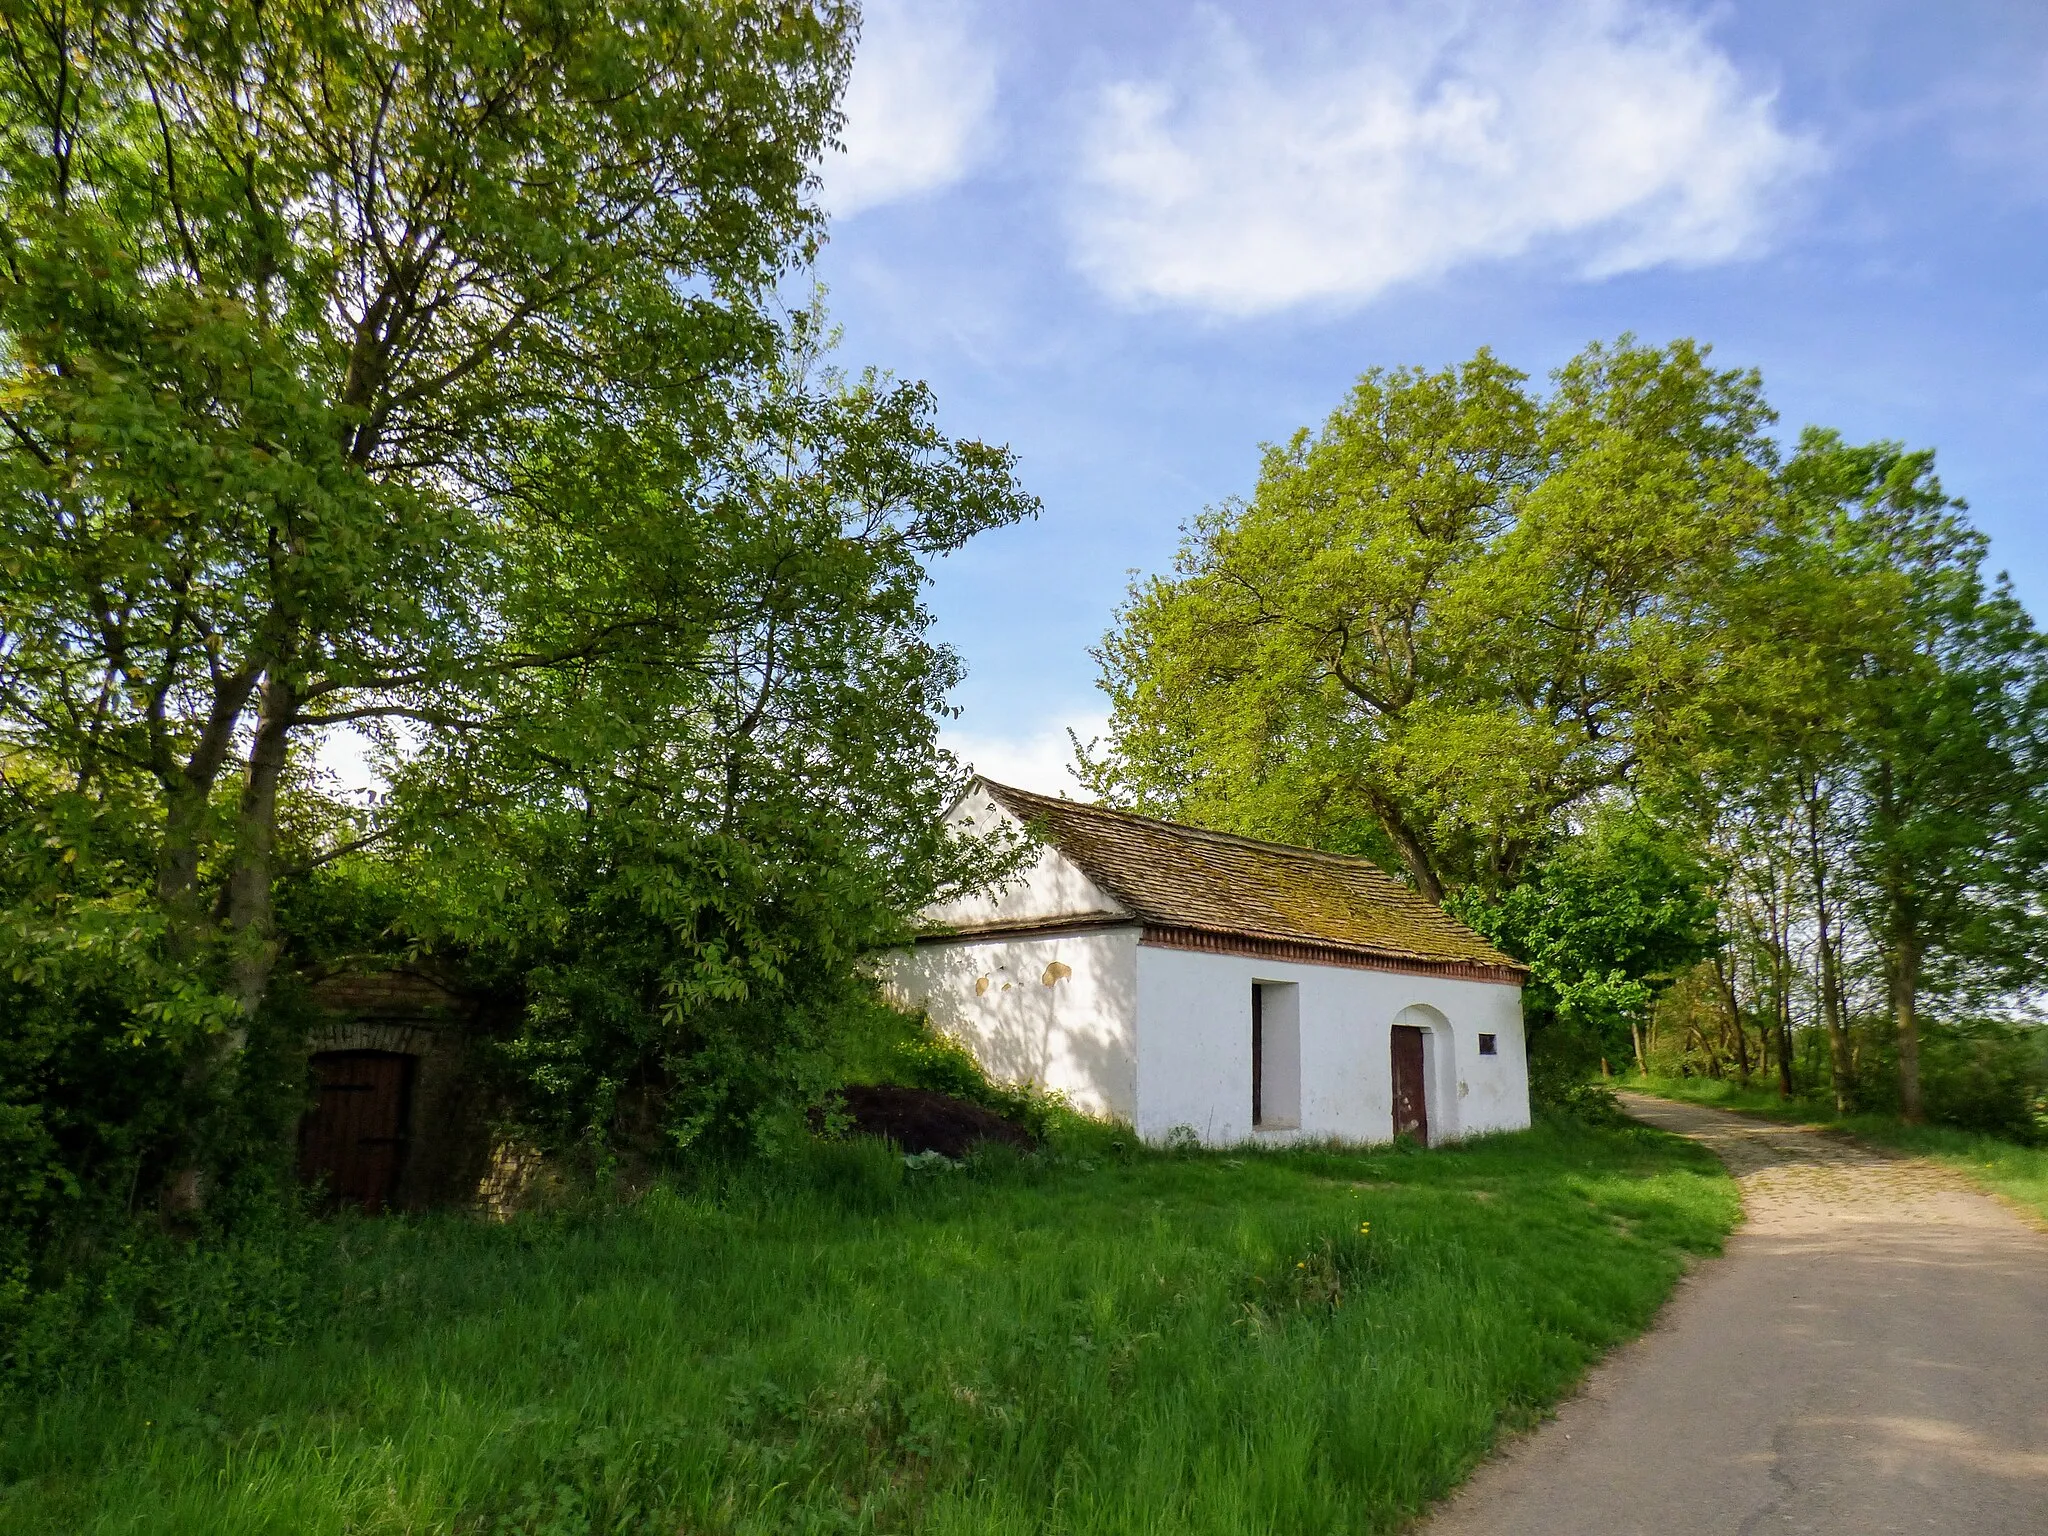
[(1294, 850)]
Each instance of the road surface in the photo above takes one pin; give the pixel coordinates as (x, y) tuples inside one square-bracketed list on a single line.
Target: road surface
[(1870, 1357)]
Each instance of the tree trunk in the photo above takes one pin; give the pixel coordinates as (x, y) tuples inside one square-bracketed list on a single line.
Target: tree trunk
[(1785, 1048), (1724, 973), (249, 880), (1781, 1007), (188, 797), (188, 806), (1905, 979), (1413, 850), (1635, 1030), (1842, 1059), (1843, 1067), (1781, 987), (177, 870)]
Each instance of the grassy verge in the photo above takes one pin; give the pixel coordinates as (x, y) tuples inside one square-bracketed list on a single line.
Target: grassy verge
[(1161, 1343), (2006, 1168)]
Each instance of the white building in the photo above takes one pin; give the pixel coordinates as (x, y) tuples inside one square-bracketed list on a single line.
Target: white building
[(1248, 991)]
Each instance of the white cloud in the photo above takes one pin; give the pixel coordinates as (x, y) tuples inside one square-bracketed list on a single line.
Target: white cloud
[(1037, 759), (922, 90), (1613, 130)]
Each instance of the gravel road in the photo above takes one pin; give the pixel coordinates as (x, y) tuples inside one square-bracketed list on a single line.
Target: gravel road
[(1870, 1357)]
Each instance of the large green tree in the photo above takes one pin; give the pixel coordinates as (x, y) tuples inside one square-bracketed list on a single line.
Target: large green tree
[(1453, 614), (423, 370), (679, 850), (286, 291), (1608, 922), (1942, 695), (1875, 770)]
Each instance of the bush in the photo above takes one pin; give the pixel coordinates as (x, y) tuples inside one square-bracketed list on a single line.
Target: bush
[(1563, 1061), (134, 1294), (92, 1123), (922, 1056), (1590, 1103), (1984, 1076)]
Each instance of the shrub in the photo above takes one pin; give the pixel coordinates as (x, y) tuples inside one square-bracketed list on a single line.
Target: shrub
[(132, 1294), (1984, 1076), (922, 1056)]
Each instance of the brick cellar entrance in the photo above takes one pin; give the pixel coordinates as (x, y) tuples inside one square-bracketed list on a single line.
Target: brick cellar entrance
[(355, 1137)]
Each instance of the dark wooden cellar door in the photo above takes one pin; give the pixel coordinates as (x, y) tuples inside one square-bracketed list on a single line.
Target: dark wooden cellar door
[(1411, 1103), (354, 1137)]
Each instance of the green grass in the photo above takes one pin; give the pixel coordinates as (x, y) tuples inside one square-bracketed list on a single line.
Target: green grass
[(2006, 1168), (1145, 1345)]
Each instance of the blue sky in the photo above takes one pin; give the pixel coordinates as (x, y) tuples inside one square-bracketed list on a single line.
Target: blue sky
[(1137, 240)]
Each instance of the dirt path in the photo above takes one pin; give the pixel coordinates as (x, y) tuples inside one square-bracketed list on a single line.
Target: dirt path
[(1870, 1357)]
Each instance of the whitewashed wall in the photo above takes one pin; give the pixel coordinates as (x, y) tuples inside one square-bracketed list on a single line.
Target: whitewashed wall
[(1058, 1009), (1194, 1049), (1052, 886), (1162, 1037)]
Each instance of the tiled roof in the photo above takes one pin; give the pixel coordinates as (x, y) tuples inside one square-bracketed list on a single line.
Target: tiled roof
[(1186, 877)]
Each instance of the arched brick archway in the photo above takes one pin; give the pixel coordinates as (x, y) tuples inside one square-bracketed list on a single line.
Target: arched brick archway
[(397, 1115)]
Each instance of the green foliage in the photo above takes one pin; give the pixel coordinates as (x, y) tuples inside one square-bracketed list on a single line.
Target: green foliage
[(1451, 617), (286, 297), (1609, 921), (972, 1353), (910, 1051), (678, 854), (424, 372), (710, 979), (930, 1060), (1460, 619), (287, 294), (1883, 759), (1988, 1076), (99, 1097), (135, 1297)]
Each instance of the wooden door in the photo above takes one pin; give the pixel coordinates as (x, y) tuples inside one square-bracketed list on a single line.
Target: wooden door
[(354, 1137), (1411, 1100)]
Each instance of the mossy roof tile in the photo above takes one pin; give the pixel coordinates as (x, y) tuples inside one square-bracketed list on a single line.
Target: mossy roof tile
[(1188, 877)]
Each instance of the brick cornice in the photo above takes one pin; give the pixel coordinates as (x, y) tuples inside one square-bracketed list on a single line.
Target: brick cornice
[(1207, 941)]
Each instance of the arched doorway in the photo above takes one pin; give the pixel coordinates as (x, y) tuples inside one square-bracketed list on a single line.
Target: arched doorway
[(355, 1136), (1417, 1034)]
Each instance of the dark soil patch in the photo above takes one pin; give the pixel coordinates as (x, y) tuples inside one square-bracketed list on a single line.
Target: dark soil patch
[(921, 1121)]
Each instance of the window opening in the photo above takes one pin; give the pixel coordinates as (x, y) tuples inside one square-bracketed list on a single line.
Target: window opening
[(1276, 1055), (1488, 1046)]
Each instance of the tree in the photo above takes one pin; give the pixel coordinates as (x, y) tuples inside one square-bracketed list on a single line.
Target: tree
[(285, 292), (678, 853), (1608, 922), (1459, 620), (421, 370), (1947, 708), (1452, 616), (1875, 756)]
